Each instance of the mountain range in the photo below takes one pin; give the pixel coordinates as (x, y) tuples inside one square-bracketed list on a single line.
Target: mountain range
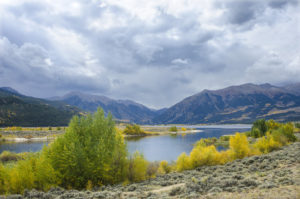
[(20, 110), (235, 104), (125, 110)]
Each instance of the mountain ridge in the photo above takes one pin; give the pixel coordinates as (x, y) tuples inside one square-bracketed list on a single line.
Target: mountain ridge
[(20, 110), (234, 104), (120, 109)]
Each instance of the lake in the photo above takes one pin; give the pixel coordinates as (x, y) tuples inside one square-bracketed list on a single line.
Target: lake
[(154, 148)]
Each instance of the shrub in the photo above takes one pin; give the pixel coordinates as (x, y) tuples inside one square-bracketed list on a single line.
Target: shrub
[(204, 155), (271, 124), (225, 138), (255, 132), (3, 179), (152, 169), (259, 128), (239, 146), (164, 167), (280, 137), (45, 175), (137, 168), (267, 144), (20, 177), (173, 129), (297, 125), (133, 130), (7, 156), (224, 157), (183, 162), (28, 136), (288, 131), (90, 149)]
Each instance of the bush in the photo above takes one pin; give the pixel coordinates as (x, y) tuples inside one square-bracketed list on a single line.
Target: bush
[(204, 155), (288, 131), (137, 168), (152, 169), (20, 177), (271, 125), (239, 146), (7, 156), (164, 167), (255, 132), (173, 129), (33, 172), (133, 130), (45, 175), (284, 134), (183, 162), (267, 144), (259, 128), (297, 125), (225, 138), (90, 149), (3, 179), (279, 137)]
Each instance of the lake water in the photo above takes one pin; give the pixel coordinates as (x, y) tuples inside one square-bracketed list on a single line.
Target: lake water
[(154, 148)]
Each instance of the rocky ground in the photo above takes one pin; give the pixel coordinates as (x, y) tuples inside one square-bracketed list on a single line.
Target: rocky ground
[(275, 175)]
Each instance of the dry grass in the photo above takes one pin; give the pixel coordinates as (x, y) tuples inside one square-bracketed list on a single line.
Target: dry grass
[(284, 192)]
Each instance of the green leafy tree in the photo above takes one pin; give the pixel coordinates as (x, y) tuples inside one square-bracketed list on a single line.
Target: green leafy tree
[(259, 128), (173, 129), (91, 149)]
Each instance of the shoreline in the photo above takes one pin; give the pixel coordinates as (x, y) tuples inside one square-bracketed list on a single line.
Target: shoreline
[(18, 139), (264, 176), (46, 138)]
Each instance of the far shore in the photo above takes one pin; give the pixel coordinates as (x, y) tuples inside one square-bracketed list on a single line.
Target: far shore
[(35, 139), (47, 138)]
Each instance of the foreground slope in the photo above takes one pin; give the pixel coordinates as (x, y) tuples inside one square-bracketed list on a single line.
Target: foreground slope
[(120, 109), (271, 176), (236, 104), (20, 110)]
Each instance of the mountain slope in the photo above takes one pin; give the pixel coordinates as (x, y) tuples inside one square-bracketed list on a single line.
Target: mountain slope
[(120, 109), (235, 104), (19, 110), (295, 88)]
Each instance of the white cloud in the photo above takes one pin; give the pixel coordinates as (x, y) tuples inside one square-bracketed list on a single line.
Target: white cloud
[(154, 52), (179, 61)]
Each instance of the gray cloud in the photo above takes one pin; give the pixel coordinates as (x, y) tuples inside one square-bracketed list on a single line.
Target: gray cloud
[(153, 52)]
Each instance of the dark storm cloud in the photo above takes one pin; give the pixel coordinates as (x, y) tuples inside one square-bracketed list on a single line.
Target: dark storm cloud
[(240, 12), (155, 52), (279, 4)]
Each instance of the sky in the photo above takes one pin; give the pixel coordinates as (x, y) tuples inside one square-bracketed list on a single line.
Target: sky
[(153, 52)]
